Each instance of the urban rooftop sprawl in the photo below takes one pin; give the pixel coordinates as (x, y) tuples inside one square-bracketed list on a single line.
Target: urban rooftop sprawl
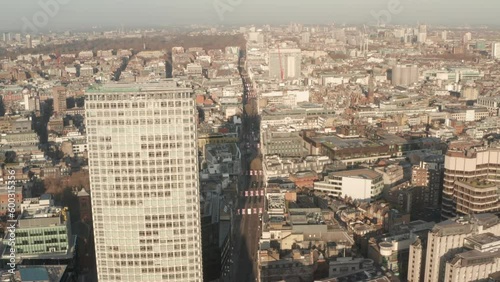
[(259, 153)]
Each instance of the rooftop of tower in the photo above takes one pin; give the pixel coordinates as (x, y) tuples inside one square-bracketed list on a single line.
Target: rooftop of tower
[(480, 183), (135, 87), (465, 224), (482, 241)]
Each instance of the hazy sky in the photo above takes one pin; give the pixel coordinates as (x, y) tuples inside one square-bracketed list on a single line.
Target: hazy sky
[(71, 14)]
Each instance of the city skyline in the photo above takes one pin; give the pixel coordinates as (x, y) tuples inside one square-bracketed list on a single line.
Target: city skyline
[(250, 140), (70, 14)]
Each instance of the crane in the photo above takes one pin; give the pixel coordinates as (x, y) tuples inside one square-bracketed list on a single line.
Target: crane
[(366, 38), (281, 64)]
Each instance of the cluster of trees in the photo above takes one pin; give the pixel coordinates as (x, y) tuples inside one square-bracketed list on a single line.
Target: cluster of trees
[(72, 102), (122, 67), (10, 157), (2, 107), (57, 185), (78, 120), (152, 43), (62, 190)]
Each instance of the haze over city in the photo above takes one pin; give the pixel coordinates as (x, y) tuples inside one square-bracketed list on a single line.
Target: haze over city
[(249, 140), (77, 14)]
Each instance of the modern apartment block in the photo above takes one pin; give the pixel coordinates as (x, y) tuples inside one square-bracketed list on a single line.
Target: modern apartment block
[(143, 162), (471, 179), (404, 75), (447, 239)]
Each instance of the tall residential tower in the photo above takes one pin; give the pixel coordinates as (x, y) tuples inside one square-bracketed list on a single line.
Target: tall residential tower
[(471, 179), (404, 75), (144, 182)]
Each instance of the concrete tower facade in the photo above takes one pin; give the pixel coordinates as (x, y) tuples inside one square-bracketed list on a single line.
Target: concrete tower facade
[(143, 162)]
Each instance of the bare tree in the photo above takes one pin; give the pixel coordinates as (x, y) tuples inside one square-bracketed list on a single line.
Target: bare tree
[(79, 179), (53, 185)]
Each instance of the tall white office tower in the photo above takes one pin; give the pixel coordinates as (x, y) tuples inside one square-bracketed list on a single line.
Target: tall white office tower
[(496, 50), (444, 35), (144, 182), (29, 41), (467, 37), (422, 33)]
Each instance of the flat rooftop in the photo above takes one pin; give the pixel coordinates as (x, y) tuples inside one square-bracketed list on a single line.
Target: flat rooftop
[(133, 87), (483, 239), (305, 174), (357, 173), (215, 149), (391, 139), (464, 224), (42, 212), (476, 257), (337, 143)]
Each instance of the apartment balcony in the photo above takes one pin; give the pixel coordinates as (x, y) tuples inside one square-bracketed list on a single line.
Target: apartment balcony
[(483, 209)]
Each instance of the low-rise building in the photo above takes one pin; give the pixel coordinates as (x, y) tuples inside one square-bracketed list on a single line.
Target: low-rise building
[(304, 178), (281, 167), (284, 144), (355, 150), (222, 159), (43, 232), (359, 184), (392, 175), (473, 114), (347, 265), (79, 146), (194, 69), (491, 103), (296, 266), (20, 139)]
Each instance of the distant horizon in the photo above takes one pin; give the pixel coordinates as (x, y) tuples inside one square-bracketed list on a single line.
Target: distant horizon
[(112, 27), (74, 15)]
